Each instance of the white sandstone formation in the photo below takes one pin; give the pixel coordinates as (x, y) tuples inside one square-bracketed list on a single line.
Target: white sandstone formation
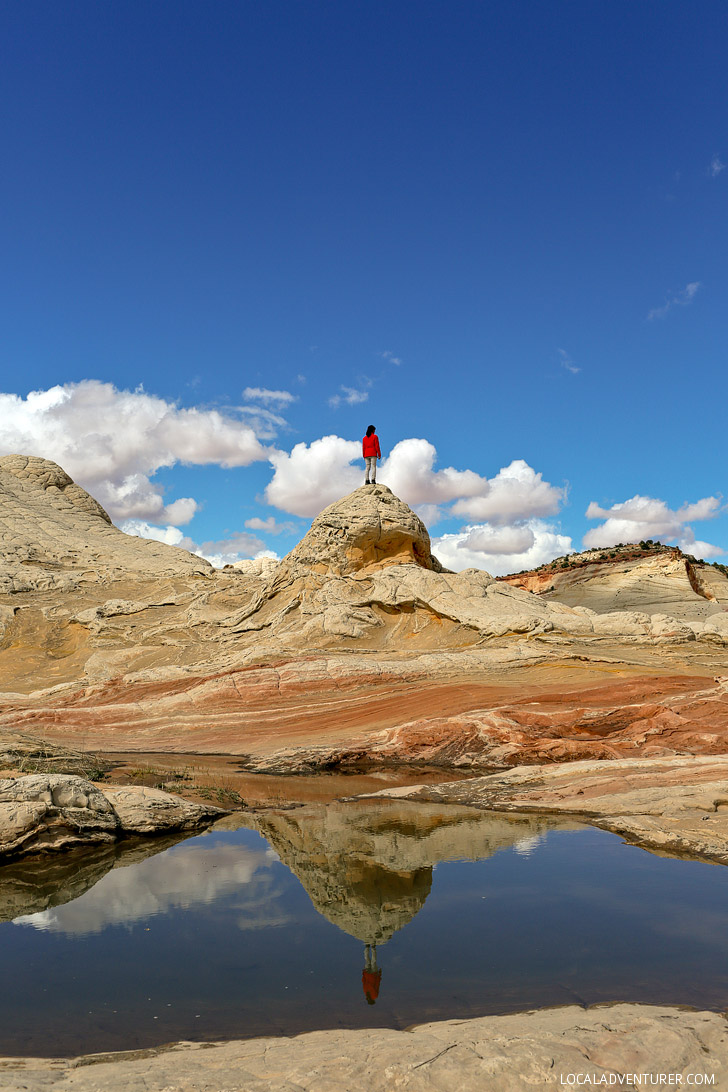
[(54, 535), (365, 571), (49, 812)]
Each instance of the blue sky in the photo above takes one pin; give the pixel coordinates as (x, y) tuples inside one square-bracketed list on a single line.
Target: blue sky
[(496, 229)]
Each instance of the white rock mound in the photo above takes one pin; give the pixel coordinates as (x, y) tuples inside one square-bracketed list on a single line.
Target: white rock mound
[(53, 534), (365, 570)]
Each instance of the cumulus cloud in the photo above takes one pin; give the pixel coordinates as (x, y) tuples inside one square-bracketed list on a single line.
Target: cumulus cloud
[(389, 355), (409, 472), (682, 298), (171, 536), (349, 397), (267, 397), (501, 550), (181, 511), (269, 525), (648, 517), (113, 441), (517, 492), (716, 166), (430, 514), (313, 476), (226, 551)]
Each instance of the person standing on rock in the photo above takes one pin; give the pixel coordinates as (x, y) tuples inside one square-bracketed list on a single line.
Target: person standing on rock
[(371, 452)]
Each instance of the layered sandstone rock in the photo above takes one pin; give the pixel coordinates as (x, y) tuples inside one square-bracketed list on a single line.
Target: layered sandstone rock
[(369, 528), (365, 570), (653, 580), (110, 642)]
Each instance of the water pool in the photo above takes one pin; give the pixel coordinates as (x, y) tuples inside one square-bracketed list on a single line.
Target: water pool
[(259, 926)]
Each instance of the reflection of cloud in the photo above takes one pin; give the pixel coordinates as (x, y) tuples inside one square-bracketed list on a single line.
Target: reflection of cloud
[(526, 846), (179, 878), (261, 917)]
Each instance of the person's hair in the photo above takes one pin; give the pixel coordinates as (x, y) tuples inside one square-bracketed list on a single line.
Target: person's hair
[(371, 429)]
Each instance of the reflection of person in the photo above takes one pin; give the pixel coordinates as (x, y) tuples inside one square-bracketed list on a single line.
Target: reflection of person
[(371, 452), (371, 976)]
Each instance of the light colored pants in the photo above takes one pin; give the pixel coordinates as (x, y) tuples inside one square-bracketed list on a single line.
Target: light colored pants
[(371, 465)]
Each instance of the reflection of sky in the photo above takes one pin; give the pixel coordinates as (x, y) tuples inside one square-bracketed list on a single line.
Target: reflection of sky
[(191, 874)]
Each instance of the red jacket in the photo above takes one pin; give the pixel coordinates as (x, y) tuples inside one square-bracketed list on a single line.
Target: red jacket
[(370, 446)]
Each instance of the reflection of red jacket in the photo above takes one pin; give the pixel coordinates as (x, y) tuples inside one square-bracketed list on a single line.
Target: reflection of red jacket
[(370, 446), (370, 982)]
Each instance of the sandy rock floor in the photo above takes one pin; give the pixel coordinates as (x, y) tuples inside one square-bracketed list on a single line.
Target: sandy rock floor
[(553, 1048)]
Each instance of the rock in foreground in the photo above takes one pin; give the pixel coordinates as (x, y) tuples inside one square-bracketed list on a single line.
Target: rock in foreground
[(497, 1053), (50, 812)]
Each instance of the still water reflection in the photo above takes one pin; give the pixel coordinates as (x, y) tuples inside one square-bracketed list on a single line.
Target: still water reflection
[(357, 914)]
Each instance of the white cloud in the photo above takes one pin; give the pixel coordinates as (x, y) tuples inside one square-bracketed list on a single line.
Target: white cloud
[(181, 511), (312, 476), (276, 398), (265, 424), (430, 514), (682, 298), (641, 518), (567, 363), (113, 441), (389, 355), (171, 536), (408, 471), (236, 547), (501, 550), (517, 492), (269, 525), (350, 397), (716, 166), (226, 551)]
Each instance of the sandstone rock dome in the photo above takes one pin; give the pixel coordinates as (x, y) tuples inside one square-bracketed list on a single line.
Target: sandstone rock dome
[(368, 529), (54, 534)]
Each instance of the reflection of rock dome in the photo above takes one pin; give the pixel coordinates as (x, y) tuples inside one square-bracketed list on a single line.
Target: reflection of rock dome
[(367, 866), (363, 897)]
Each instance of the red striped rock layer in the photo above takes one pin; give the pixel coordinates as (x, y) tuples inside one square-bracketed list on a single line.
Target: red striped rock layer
[(320, 711)]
